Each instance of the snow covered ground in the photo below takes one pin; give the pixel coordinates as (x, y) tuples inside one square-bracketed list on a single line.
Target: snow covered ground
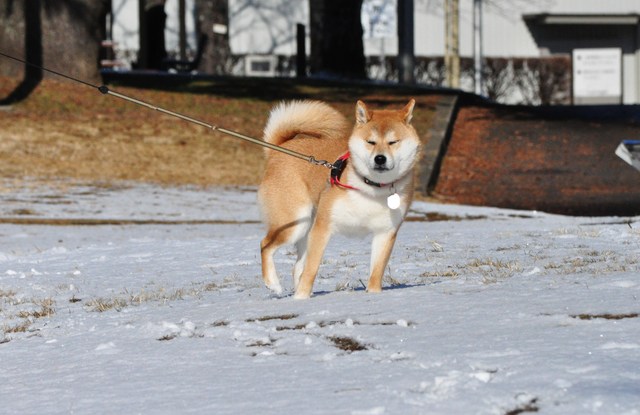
[(138, 299)]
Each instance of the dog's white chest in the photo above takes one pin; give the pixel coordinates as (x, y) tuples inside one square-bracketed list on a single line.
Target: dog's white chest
[(358, 214)]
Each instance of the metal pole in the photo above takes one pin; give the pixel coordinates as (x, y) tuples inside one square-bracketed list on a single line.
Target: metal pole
[(452, 43), (182, 16), (301, 51), (405, 42), (455, 34), (477, 46), (447, 42), (143, 55)]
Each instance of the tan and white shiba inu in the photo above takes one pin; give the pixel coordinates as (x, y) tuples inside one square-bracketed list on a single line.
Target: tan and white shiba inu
[(369, 191)]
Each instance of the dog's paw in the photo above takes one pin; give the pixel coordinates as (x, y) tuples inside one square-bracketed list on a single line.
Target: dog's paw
[(275, 287), (301, 295), (374, 290)]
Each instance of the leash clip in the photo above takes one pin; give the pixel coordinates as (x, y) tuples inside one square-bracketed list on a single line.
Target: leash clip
[(336, 170), (323, 163)]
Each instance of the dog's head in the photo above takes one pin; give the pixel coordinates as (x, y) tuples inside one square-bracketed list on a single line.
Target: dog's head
[(384, 145)]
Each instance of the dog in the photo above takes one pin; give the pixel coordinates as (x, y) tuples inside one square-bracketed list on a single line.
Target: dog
[(368, 191)]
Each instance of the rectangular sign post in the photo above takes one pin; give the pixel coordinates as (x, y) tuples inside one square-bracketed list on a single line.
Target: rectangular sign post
[(597, 76)]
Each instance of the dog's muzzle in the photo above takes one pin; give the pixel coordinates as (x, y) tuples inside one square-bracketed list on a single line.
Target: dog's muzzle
[(380, 162)]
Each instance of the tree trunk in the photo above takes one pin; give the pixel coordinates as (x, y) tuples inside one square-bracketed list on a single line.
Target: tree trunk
[(32, 53), (213, 23), (62, 35), (336, 39)]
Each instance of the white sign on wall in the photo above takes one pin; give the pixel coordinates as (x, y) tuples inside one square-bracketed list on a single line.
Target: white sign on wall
[(597, 76)]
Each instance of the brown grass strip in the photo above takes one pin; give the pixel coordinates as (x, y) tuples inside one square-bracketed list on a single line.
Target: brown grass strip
[(119, 222), (606, 316)]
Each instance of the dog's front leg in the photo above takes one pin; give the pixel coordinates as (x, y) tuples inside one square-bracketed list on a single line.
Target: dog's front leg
[(381, 248), (318, 238)]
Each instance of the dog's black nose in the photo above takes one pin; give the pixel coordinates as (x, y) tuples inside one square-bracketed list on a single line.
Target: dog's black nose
[(380, 159)]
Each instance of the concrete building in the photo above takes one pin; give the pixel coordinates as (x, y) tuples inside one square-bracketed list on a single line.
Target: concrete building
[(531, 28), (603, 38)]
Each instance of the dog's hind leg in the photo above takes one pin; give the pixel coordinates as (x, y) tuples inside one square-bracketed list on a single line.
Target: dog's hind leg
[(293, 232), (301, 249), (318, 238), (268, 248), (300, 236)]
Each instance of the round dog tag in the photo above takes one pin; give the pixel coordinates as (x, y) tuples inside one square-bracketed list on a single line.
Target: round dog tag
[(393, 201)]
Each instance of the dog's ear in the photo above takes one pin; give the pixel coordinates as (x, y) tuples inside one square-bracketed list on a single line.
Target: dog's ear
[(408, 111), (362, 114)]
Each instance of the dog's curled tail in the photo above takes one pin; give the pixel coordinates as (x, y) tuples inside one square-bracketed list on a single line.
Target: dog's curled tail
[(310, 118)]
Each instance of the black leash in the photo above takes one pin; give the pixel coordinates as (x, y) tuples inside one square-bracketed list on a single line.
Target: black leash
[(106, 91)]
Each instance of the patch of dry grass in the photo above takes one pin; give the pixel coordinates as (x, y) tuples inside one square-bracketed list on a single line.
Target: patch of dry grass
[(493, 270), (104, 140), (606, 316), (21, 327), (594, 261), (119, 302), (348, 344), (6, 293), (66, 130), (449, 273), (46, 309), (30, 311)]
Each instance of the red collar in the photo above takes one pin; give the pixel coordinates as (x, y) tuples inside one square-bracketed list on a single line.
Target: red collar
[(339, 166)]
